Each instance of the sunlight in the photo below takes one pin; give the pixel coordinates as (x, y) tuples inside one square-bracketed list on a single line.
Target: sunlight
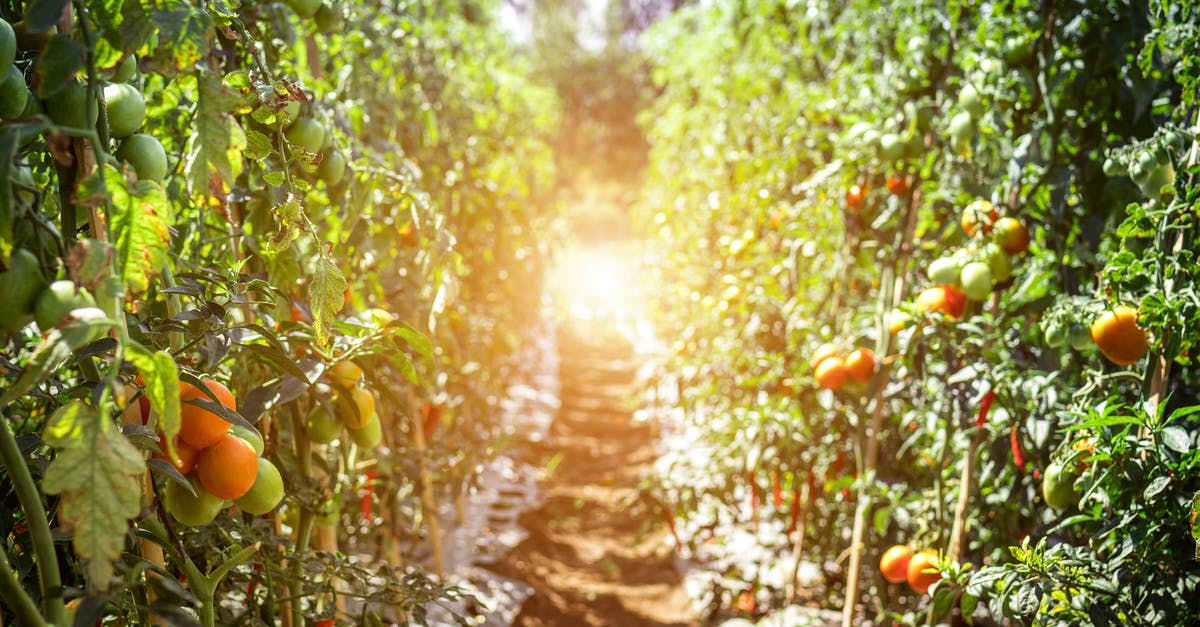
[(595, 282)]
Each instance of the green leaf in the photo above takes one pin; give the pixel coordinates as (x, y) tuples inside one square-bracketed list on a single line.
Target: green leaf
[(97, 473), (41, 15), (1176, 438), (405, 366), (327, 296), (415, 339), (1104, 421), (8, 148), (185, 33), (1156, 487), (58, 64), (216, 158), (139, 217), (160, 376)]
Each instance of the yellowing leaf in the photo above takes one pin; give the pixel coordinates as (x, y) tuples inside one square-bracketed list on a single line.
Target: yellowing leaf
[(326, 296), (161, 378), (139, 216), (216, 157), (96, 473)]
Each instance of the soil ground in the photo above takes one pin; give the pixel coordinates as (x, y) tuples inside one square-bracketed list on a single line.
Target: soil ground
[(595, 554)]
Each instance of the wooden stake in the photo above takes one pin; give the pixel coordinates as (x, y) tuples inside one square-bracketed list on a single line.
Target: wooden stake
[(428, 504)]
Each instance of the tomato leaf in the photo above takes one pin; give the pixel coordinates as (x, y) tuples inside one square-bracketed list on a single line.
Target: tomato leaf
[(58, 64), (326, 296), (41, 15), (161, 379), (139, 217), (216, 157), (1176, 438), (97, 472), (1156, 487)]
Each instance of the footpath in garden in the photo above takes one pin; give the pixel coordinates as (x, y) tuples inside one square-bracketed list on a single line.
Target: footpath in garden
[(594, 554)]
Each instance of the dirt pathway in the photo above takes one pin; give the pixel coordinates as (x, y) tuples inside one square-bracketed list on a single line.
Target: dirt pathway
[(595, 556)]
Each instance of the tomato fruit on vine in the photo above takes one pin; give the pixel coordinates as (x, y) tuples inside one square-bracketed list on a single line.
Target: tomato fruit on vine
[(125, 69), (923, 571), (57, 301), (1079, 337), (861, 364), (823, 352), (999, 262), (345, 373), (944, 298), (146, 154), (945, 271), (894, 563), (1058, 486), (8, 44), (332, 168), (1012, 236), (977, 280), (855, 196), (369, 435), (322, 426), (1119, 337), (19, 289), (228, 468), (125, 108), (198, 426), (14, 94), (190, 510), (307, 134), (1054, 335), (358, 410), (978, 217), (187, 455), (250, 436), (71, 106), (832, 373), (897, 185), (266, 492), (305, 8)]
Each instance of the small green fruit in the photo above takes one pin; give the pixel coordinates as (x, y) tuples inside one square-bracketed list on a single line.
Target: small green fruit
[(125, 69), (126, 109), (189, 510), (146, 155), (370, 435), (267, 491), (57, 301), (306, 134), (14, 94), (332, 168), (945, 271), (977, 280)]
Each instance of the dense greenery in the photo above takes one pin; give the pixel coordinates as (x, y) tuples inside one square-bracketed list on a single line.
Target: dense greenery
[(810, 162)]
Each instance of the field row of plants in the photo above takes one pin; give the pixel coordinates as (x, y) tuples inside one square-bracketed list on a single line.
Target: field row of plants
[(265, 267), (928, 277)]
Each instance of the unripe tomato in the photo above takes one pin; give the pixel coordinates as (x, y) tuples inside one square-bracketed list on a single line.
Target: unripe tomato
[(322, 426), (891, 146), (249, 436), (1079, 337), (125, 69), (370, 435), (267, 491), (145, 153), (14, 94), (57, 301), (999, 262), (363, 409), (8, 45), (70, 106), (332, 168), (345, 373), (962, 129), (969, 101), (20, 286), (125, 108), (305, 8), (1058, 486), (189, 510), (977, 280), (1054, 335), (945, 271), (307, 134)]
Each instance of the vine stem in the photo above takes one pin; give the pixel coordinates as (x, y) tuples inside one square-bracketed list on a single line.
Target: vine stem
[(428, 504), (866, 476), (16, 598), (39, 525)]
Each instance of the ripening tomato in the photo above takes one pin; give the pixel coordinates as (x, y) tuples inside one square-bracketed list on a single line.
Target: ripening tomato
[(1012, 235), (897, 185), (923, 571), (832, 373), (855, 196), (894, 563), (1119, 337), (944, 298), (978, 217), (861, 364)]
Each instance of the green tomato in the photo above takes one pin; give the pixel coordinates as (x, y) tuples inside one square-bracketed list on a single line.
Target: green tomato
[(370, 435), (125, 108), (970, 101), (977, 281), (249, 436), (19, 289), (8, 45), (305, 8), (1058, 486), (332, 168), (306, 134), (57, 301), (997, 259), (14, 94), (891, 146), (267, 491), (322, 426), (1054, 335), (146, 155), (945, 271), (1018, 50), (71, 106), (1113, 168), (125, 69), (328, 19), (288, 114), (189, 510), (1079, 337), (1153, 180), (962, 127)]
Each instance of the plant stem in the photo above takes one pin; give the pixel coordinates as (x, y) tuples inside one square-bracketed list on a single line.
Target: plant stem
[(39, 526), (16, 598)]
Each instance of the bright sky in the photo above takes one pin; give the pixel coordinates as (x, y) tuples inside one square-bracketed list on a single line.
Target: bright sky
[(591, 35)]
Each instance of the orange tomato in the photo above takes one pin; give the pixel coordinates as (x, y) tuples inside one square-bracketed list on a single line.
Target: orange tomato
[(187, 454), (919, 576), (228, 468), (944, 298), (832, 373), (198, 426), (345, 373), (822, 353), (894, 563), (897, 321), (979, 216), (1012, 236), (897, 184), (855, 196), (364, 400), (861, 364), (1119, 337)]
